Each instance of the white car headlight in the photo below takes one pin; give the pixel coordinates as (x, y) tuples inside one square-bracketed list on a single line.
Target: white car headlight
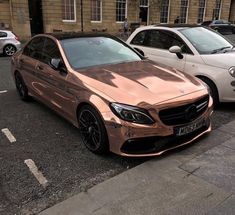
[(232, 71)]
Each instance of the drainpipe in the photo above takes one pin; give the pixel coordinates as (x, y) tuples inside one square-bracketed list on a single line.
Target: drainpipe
[(82, 15)]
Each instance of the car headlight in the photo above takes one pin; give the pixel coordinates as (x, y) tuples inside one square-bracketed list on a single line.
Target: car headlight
[(232, 71), (131, 113)]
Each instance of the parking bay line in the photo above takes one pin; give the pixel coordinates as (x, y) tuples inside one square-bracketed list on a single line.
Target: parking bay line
[(37, 174), (9, 135), (3, 91)]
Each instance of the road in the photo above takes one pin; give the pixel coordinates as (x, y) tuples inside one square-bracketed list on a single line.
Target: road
[(55, 147)]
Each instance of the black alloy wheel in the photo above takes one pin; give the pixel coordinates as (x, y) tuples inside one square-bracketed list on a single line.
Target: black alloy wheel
[(92, 129), (21, 87), (9, 50)]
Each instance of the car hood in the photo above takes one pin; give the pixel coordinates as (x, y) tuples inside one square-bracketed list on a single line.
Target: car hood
[(221, 60), (138, 82)]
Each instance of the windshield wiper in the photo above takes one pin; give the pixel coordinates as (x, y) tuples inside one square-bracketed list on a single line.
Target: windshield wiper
[(220, 49)]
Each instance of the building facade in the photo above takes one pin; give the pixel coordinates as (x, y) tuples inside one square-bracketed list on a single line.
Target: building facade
[(29, 17)]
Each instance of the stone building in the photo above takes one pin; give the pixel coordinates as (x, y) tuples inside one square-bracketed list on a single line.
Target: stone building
[(29, 17)]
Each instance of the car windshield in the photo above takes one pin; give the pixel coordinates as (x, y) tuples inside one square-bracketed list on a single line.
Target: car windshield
[(95, 51), (206, 41)]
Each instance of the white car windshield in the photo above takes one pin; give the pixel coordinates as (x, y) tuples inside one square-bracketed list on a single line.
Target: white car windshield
[(206, 41), (95, 51)]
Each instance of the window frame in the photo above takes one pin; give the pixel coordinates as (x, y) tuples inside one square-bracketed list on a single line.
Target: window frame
[(126, 7), (218, 9), (74, 10), (168, 13), (187, 11), (204, 12), (101, 12)]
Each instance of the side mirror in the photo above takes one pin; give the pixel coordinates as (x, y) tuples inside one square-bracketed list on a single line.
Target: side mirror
[(176, 50), (139, 51), (57, 64)]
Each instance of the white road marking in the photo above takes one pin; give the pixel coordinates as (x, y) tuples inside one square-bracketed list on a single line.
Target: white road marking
[(37, 174), (9, 135), (3, 91)]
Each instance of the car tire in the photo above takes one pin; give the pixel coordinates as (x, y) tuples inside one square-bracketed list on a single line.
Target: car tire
[(21, 87), (93, 131), (213, 90), (9, 50)]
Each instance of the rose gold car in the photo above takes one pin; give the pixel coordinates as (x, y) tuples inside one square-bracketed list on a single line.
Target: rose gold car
[(121, 101)]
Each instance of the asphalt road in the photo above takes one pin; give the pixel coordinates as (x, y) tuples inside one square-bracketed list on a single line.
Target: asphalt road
[(55, 147)]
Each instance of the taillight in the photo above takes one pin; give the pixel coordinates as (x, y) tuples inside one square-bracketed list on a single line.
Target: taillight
[(17, 38)]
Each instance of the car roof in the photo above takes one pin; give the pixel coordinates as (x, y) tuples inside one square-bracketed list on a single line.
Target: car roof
[(178, 25), (70, 35)]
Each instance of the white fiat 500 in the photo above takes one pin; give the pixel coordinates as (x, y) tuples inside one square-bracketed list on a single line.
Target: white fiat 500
[(196, 50)]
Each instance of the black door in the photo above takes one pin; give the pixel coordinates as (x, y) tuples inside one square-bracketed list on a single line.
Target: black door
[(35, 15)]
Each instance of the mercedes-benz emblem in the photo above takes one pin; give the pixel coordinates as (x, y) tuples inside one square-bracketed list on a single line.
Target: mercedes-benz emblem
[(191, 113)]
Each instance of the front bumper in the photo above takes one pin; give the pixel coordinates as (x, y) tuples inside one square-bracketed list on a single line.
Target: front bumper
[(132, 140)]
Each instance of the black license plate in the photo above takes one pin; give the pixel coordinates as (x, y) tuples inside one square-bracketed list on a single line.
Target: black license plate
[(180, 131)]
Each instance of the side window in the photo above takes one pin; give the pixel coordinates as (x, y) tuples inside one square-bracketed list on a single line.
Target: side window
[(153, 39), (3, 34), (139, 38), (34, 48), (50, 51), (169, 39)]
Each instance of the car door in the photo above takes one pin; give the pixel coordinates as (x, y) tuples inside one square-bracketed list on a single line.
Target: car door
[(53, 83), (28, 62), (156, 43)]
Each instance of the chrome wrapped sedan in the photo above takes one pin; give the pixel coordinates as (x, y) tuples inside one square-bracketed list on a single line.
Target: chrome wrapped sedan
[(121, 101)]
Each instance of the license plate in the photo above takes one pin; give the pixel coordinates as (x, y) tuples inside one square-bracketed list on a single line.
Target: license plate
[(180, 131)]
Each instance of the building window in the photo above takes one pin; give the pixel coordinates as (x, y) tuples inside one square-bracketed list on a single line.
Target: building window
[(201, 11), (216, 11), (96, 10), (164, 11), (184, 11), (121, 10), (143, 3), (69, 10)]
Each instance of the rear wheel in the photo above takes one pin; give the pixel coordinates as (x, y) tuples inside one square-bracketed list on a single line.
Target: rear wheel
[(93, 131), (213, 90), (9, 50), (21, 87)]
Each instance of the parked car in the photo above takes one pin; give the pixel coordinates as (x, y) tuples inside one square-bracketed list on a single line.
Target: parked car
[(194, 49), (227, 30), (9, 43), (215, 22), (120, 101)]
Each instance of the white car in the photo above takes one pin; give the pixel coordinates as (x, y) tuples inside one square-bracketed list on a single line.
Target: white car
[(9, 43), (194, 49)]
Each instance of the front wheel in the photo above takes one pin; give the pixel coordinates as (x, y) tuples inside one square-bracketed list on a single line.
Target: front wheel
[(93, 131), (213, 90)]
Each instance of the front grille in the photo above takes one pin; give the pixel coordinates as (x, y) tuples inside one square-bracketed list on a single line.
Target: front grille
[(185, 113)]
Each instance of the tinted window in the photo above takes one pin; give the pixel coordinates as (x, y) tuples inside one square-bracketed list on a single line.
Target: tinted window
[(160, 39), (34, 48), (50, 51), (94, 51), (139, 38), (3, 34)]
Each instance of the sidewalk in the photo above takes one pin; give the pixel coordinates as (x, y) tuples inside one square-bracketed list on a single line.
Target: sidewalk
[(199, 179)]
